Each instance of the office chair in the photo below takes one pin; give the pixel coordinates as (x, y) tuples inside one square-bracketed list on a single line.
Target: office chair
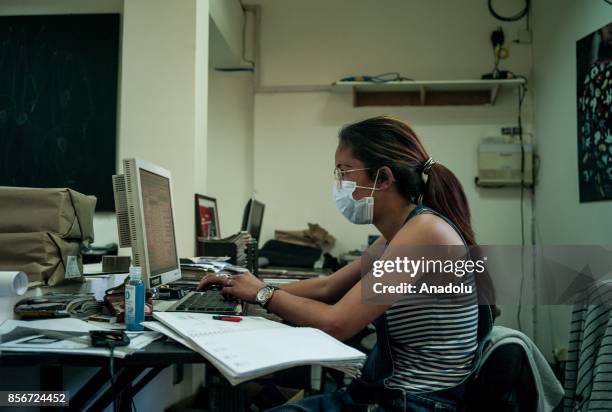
[(504, 383)]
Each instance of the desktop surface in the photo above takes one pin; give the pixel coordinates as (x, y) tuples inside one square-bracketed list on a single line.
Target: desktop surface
[(160, 352)]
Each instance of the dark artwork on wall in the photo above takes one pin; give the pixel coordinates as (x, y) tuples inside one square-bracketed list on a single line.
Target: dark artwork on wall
[(594, 93), (58, 102)]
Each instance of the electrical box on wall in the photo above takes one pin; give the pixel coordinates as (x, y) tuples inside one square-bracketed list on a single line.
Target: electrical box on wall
[(499, 163)]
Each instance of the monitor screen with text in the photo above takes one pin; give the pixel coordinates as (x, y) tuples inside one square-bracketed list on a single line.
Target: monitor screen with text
[(159, 222)]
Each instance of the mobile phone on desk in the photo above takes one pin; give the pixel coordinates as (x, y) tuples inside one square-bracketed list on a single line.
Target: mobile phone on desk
[(107, 338)]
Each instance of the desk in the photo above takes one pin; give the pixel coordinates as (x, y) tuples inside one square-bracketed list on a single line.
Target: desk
[(157, 356), (132, 373)]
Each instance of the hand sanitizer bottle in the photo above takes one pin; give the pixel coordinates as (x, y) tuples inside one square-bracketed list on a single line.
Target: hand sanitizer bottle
[(134, 300)]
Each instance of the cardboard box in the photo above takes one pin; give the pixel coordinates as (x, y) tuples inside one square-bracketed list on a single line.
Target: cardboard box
[(63, 212)]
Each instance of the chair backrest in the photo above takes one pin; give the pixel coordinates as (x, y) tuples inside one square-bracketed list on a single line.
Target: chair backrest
[(485, 321), (504, 383)]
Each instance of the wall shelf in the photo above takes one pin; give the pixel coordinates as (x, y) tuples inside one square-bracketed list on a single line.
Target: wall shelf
[(425, 93)]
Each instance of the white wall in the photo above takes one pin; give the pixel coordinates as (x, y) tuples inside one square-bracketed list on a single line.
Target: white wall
[(162, 118), (561, 218), (164, 97), (230, 145), (555, 117), (295, 139), (318, 42)]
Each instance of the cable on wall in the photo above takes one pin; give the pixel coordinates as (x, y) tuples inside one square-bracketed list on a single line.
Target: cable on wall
[(378, 78), (521, 97), (517, 16)]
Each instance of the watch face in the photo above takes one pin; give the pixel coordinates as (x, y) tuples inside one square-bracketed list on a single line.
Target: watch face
[(263, 294)]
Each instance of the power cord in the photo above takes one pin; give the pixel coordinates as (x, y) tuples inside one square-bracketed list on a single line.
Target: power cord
[(521, 97), (111, 367), (517, 16), (498, 40), (522, 91), (500, 53), (379, 78), (112, 374)]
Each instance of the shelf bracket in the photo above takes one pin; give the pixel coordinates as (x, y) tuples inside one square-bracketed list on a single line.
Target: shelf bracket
[(494, 92), (423, 95)]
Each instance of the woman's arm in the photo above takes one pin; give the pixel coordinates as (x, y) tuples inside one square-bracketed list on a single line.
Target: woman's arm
[(329, 288), (324, 289), (350, 314), (341, 320)]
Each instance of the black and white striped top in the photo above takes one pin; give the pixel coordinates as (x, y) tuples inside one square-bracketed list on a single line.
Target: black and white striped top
[(432, 343), (432, 346)]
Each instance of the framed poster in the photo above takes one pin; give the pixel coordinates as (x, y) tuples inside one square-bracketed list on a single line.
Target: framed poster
[(207, 217), (594, 94)]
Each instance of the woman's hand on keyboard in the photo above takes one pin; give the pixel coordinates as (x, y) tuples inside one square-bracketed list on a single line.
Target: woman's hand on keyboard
[(243, 286)]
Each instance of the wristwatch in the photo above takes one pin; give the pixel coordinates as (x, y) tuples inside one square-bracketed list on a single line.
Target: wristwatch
[(264, 295)]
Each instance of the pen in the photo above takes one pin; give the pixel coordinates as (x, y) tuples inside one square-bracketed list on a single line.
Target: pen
[(228, 318)]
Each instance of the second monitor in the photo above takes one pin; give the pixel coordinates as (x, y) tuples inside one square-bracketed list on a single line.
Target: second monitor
[(253, 218)]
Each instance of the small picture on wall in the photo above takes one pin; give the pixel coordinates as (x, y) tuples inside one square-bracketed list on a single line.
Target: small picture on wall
[(594, 94), (207, 218)]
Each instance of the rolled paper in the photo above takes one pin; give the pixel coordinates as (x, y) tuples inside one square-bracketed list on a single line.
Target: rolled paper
[(13, 283)]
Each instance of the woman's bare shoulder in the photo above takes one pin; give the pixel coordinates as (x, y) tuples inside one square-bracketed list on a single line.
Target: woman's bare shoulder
[(427, 229)]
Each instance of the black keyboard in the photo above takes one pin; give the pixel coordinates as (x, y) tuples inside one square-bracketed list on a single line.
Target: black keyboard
[(210, 301)]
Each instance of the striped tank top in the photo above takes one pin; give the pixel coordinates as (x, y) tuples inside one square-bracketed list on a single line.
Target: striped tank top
[(432, 345)]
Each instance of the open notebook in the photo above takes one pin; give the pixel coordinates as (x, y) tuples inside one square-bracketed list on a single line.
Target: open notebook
[(256, 346)]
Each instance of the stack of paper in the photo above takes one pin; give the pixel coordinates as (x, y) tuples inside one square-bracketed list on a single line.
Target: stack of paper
[(256, 346)]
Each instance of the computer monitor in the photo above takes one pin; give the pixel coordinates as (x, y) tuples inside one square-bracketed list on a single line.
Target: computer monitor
[(253, 217), (145, 219)]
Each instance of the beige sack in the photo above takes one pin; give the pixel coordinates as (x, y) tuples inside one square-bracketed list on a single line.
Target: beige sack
[(66, 213), (42, 256), (315, 236)]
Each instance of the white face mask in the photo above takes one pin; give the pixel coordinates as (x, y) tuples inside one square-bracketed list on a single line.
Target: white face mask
[(360, 212)]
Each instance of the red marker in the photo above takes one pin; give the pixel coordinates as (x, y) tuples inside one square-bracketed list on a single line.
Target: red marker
[(228, 318)]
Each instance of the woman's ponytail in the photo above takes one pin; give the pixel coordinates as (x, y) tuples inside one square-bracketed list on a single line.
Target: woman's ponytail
[(444, 193)]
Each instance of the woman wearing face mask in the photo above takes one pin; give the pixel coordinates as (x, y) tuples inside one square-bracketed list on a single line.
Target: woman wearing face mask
[(424, 353)]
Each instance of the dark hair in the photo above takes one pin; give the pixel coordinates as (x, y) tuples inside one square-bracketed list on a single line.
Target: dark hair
[(384, 141)]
